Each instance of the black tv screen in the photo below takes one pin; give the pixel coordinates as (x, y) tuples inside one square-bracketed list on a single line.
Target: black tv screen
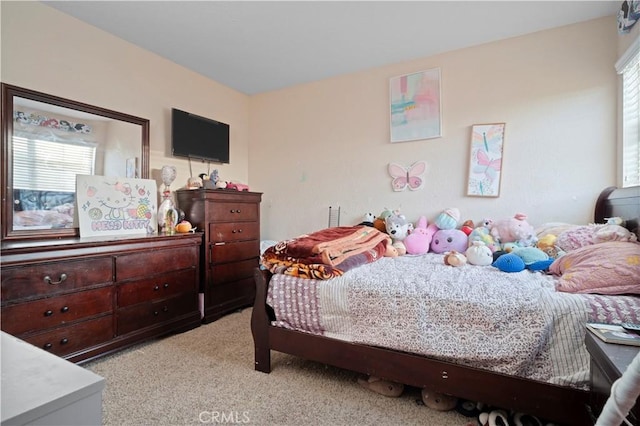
[(197, 137)]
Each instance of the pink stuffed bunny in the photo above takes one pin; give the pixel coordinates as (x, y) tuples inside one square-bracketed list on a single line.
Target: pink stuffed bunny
[(419, 240)]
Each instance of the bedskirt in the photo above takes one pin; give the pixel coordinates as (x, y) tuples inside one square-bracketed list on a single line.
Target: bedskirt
[(478, 316)]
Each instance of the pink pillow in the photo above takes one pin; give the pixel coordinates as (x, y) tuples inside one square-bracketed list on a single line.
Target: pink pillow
[(605, 268)]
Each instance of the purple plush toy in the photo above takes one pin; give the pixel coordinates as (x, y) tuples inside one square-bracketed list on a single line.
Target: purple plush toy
[(446, 240)]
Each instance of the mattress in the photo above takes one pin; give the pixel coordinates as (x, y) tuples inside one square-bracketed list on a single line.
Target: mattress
[(478, 316)]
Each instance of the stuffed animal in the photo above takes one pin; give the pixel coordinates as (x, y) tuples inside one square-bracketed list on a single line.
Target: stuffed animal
[(534, 259), (509, 262), (514, 230), (482, 234), (438, 401), (448, 219), (467, 227), (530, 255), (419, 240), (398, 228), (368, 219), (379, 222), (479, 254), (391, 251), (449, 239), (547, 243), (453, 258), (383, 387)]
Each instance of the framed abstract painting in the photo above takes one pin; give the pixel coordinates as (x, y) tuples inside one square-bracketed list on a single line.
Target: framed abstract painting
[(415, 106), (485, 160)]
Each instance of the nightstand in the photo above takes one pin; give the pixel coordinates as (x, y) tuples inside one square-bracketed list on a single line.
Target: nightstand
[(608, 362)]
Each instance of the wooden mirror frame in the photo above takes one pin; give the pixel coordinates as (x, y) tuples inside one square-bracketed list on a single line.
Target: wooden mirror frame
[(6, 124)]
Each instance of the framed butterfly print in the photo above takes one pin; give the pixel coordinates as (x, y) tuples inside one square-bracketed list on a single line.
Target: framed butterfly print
[(415, 106), (485, 160)]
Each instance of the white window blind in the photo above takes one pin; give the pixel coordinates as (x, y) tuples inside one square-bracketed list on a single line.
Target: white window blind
[(629, 67), (50, 166)]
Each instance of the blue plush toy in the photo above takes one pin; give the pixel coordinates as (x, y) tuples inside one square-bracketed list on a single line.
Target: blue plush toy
[(509, 263)]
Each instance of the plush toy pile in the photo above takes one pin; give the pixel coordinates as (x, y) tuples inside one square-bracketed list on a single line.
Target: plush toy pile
[(509, 244)]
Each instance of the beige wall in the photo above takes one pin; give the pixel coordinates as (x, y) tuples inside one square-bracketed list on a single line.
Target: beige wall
[(48, 51), (327, 143)]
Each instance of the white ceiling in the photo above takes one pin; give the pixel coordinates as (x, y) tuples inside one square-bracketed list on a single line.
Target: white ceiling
[(258, 46)]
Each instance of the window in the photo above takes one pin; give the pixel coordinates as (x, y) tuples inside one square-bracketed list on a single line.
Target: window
[(62, 161), (629, 67)]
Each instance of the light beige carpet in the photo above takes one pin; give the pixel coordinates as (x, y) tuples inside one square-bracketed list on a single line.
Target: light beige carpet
[(206, 376)]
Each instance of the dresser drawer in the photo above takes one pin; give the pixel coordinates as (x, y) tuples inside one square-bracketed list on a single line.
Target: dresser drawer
[(232, 252), (46, 279), (149, 263), (158, 287), (239, 293), (233, 212), (235, 231), (54, 311), (65, 340), (146, 314), (225, 272)]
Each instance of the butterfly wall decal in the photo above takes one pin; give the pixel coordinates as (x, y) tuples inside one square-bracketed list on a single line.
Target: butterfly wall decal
[(407, 177)]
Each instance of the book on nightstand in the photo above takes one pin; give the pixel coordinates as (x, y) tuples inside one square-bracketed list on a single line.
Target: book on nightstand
[(612, 333)]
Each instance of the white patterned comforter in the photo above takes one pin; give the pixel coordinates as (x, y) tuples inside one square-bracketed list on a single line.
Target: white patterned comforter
[(511, 323)]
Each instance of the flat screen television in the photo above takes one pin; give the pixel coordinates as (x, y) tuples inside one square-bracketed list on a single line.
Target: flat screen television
[(198, 137)]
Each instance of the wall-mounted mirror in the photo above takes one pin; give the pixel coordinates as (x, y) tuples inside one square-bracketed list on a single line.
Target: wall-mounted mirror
[(46, 142)]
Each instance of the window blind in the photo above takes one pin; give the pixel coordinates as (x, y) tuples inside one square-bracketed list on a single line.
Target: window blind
[(50, 166), (629, 67)]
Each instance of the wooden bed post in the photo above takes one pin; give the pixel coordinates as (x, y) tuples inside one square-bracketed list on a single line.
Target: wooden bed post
[(260, 322)]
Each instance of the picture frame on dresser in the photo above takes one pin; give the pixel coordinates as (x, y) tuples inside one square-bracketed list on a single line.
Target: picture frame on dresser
[(230, 222)]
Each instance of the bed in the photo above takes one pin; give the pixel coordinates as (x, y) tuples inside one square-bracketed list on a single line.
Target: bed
[(552, 383)]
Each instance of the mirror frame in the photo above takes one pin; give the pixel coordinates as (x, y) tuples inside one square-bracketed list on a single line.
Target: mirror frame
[(6, 124)]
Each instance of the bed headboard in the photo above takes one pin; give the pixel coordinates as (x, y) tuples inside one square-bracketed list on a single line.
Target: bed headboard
[(620, 202)]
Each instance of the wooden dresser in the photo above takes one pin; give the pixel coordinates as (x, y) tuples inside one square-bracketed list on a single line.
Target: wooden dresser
[(81, 298), (230, 220)]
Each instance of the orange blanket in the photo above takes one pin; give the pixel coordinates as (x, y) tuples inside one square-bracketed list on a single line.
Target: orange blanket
[(326, 253)]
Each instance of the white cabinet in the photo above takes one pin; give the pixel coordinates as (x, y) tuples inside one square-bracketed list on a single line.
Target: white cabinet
[(41, 388)]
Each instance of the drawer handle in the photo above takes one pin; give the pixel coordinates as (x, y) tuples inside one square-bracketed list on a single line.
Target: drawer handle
[(166, 285), (47, 346), (236, 231), (235, 211), (48, 313), (47, 279), (156, 287), (165, 309), (64, 341), (64, 309), (156, 313)]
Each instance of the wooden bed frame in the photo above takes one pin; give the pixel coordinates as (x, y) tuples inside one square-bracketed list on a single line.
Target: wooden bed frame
[(552, 402)]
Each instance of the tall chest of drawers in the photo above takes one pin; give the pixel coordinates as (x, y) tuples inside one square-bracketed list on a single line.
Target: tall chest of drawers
[(230, 221), (83, 298)]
